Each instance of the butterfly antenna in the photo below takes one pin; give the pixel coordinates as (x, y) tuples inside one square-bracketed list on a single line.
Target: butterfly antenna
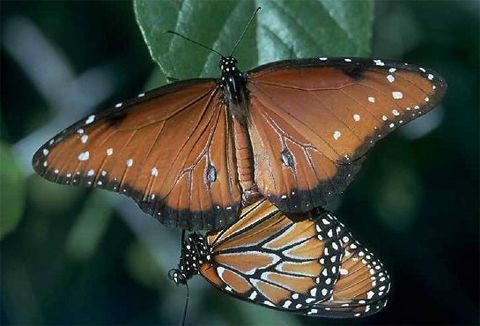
[(197, 43), (245, 29), (186, 305)]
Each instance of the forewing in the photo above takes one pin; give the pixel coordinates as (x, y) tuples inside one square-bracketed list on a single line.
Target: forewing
[(312, 121), (170, 150), (267, 258), (308, 264)]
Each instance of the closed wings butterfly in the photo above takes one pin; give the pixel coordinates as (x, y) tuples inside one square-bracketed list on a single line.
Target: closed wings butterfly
[(193, 152), (308, 264)]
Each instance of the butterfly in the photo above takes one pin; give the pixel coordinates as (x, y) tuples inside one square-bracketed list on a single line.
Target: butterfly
[(307, 264), (192, 153)]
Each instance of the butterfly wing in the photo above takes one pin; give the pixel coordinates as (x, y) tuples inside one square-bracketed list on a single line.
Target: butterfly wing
[(169, 149), (298, 264), (364, 283), (270, 259), (313, 120)]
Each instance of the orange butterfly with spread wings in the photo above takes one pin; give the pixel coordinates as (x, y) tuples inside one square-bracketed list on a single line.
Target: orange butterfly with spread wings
[(293, 131), (193, 152)]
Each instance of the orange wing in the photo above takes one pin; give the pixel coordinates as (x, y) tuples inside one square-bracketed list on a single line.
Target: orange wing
[(170, 150), (312, 121), (306, 265), (363, 285)]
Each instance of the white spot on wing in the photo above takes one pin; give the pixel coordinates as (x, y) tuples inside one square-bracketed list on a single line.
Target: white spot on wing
[(390, 78), (397, 95), (337, 134), (90, 119), (84, 156), (154, 172), (371, 99), (129, 162), (220, 271), (356, 117), (84, 138), (109, 151)]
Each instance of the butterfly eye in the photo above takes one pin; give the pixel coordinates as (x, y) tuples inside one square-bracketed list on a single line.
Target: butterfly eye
[(173, 275)]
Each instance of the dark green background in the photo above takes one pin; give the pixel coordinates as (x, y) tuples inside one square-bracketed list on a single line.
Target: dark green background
[(87, 257)]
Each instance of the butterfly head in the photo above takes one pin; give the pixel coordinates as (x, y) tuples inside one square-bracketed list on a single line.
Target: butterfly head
[(194, 253), (228, 65)]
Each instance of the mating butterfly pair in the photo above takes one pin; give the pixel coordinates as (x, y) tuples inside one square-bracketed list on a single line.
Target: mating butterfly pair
[(308, 265), (295, 132), (193, 152)]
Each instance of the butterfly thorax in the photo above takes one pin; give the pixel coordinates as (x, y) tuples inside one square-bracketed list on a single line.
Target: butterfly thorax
[(233, 85), (194, 253)]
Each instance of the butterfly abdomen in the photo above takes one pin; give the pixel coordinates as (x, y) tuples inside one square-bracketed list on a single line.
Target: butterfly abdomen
[(244, 157)]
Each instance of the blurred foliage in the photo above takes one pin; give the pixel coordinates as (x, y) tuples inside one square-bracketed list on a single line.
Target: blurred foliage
[(73, 256), (12, 191)]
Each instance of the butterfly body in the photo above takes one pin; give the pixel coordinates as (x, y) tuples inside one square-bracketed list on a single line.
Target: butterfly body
[(193, 152), (233, 85)]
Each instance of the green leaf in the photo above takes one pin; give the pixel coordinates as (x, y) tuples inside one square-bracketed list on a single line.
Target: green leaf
[(281, 30), (12, 191)]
